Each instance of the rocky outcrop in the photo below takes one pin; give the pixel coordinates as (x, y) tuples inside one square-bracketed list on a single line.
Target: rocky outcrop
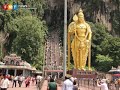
[(95, 11), (54, 14)]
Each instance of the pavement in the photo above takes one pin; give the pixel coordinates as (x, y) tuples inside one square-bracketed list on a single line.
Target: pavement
[(45, 84), (31, 87), (44, 87)]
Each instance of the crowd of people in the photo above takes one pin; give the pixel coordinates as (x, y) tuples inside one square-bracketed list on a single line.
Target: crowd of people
[(71, 83), (68, 84), (102, 84), (107, 84), (18, 81)]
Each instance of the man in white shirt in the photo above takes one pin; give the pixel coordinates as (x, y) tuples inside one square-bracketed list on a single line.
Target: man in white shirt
[(72, 79), (14, 81), (38, 80), (67, 84), (4, 84), (20, 80), (103, 84)]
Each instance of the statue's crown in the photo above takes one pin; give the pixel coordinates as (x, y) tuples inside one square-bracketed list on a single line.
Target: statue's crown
[(80, 13)]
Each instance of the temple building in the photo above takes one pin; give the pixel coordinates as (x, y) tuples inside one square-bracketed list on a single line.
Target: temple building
[(14, 65)]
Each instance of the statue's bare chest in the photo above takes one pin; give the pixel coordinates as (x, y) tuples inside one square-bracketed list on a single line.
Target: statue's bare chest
[(81, 28)]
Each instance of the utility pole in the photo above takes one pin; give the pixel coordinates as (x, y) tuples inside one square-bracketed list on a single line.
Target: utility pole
[(65, 39), (1, 46)]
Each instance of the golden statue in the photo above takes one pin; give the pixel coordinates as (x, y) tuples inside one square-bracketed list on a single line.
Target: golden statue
[(80, 33)]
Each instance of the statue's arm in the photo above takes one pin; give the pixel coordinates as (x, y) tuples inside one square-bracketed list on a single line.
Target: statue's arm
[(71, 28), (89, 32)]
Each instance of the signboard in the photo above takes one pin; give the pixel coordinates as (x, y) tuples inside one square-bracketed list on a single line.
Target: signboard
[(84, 74)]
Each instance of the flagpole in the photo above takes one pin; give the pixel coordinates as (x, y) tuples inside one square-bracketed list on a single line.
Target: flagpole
[(65, 39)]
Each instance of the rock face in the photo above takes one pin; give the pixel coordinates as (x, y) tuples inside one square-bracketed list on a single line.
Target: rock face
[(96, 10), (54, 14), (102, 11)]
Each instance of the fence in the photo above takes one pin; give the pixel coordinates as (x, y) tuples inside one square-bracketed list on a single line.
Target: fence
[(92, 84)]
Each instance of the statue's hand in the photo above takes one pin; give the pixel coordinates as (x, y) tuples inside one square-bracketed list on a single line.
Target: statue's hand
[(87, 41)]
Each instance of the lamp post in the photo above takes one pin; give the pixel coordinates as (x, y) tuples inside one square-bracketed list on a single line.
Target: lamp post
[(65, 38)]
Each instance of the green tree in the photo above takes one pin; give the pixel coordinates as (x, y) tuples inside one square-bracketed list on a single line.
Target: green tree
[(30, 37), (104, 63), (111, 46), (114, 50), (8, 17), (104, 44), (26, 32), (99, 34)]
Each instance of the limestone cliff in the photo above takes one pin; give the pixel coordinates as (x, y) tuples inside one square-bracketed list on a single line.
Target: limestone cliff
[(103, 11)]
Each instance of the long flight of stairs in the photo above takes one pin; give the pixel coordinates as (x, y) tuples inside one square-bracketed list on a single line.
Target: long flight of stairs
[(53, 53)]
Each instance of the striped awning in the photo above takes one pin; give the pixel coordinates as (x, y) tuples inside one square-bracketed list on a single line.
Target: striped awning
[(114, 70), (53, 70)]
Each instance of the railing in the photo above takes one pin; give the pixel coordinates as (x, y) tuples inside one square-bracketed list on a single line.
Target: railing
[(92, 84), (87, 83)]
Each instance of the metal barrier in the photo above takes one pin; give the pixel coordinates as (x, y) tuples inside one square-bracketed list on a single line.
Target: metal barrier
[(92, 84), (87, 83)]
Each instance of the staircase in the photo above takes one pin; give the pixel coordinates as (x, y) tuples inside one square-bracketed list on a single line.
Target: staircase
[(53, 53)]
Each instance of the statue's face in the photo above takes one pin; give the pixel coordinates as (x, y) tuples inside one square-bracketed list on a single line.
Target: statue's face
[(81, 19)]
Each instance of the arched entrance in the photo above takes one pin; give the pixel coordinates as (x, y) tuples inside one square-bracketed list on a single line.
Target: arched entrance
[(19, 72), (11, 72)]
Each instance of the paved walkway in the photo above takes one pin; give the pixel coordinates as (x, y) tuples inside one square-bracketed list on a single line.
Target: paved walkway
[(32, 87), (44, 87)]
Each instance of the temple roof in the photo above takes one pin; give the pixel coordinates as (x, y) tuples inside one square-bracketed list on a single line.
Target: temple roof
[(12, 57), (22, 64), (1, 63), (15, 67)]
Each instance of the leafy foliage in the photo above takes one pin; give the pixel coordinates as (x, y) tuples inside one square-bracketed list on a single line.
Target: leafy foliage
[(106, 45), (29, 41), (26, 32), (104, 62), (112, 47), (99, 35)]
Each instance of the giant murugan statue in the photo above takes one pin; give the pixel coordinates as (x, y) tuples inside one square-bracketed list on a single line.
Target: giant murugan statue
[(80, 33)]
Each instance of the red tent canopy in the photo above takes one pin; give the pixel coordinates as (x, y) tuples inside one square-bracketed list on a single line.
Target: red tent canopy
[(116, 74)]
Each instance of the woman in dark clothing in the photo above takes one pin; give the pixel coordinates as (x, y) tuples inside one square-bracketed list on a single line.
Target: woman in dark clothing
[(52, 85), (75, 87)]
